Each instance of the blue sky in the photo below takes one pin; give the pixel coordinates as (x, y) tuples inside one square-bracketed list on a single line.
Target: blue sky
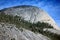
[(52, 7)]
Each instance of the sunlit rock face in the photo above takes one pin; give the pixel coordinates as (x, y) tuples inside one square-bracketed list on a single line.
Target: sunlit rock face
[(31, 14), (54, 31), (10, 32)]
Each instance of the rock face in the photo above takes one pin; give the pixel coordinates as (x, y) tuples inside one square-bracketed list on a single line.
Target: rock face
[(31, 14), (10, 32), (54, 31)]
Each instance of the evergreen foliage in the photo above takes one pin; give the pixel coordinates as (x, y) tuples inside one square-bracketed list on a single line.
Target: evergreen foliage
[(35, 27)]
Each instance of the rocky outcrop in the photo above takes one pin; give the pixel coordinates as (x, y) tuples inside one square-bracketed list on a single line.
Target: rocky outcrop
[(51, 30), (10, 32), (11, 29), (31, 14)]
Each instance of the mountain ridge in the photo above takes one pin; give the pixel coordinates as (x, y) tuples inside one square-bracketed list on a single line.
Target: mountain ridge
[(18, 7), (30, 13), (24, 23)]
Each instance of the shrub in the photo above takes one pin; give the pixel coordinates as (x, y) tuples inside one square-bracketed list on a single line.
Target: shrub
[(13, 39)]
